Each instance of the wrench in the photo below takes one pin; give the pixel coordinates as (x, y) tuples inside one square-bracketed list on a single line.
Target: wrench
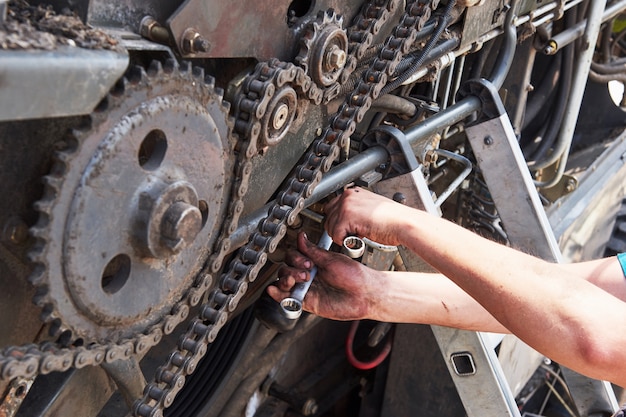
[(291, 307)]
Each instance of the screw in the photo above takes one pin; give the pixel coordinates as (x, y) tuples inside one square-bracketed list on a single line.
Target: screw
[(192, 42), (570, 185), (488, 140)]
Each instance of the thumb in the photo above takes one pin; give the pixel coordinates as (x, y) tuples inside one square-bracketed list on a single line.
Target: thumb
[(316, 254)]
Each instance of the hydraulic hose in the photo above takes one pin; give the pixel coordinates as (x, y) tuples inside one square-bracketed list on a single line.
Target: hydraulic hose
[(419, 60), (555, 121), (581, 72), (358, 364), (507, 52)]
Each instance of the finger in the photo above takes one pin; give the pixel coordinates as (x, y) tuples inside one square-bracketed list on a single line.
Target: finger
[(317, 255), (288, 277), (276, 293), (296, 259)]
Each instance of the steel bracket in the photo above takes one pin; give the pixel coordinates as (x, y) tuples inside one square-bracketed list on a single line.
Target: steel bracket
[(402, 159)]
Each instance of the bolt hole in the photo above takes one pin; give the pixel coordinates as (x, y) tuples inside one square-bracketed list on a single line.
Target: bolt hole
[(203, 206), (297, 9), (152, 150), (20, 391), (116, 274)]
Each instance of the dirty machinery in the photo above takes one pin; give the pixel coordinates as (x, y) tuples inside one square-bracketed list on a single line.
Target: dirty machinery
[(158, 157)]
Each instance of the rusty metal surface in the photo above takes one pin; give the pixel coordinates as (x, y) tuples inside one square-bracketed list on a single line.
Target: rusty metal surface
[(14, 396), (89, 74), (264, 22)]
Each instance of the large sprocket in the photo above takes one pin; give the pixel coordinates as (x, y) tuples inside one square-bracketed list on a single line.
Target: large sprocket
[(133, 205)]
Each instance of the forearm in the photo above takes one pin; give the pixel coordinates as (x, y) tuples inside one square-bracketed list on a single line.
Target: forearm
[(570, 320), (428, 298)]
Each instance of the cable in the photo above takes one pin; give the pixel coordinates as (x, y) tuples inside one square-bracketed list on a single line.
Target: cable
[(358, 364), (419, 60)]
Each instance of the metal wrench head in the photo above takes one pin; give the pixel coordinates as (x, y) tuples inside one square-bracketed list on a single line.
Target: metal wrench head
[(291, 307)]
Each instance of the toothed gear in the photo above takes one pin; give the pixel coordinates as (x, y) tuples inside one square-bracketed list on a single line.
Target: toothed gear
[(324, 51), (131, 207)]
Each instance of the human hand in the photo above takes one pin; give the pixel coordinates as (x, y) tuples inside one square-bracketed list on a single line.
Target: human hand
[(362, 213), (342, 290)]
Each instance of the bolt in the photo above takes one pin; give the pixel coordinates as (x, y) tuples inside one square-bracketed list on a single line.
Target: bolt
[(551, 47), (399, 198), (280, 116), (151, 29), (335, 58), (570, 185), (15, 231), (192, 42), (180, 225), (488, 140)]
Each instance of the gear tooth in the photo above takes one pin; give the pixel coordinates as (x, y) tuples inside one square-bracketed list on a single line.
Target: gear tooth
[(42, 300), (44, 207), (38, 231), (226, 106), (210, 81), (185, 66), (136, 74), (46, 315), (37, 276), (170, 65), (155, 68), (56, 328), (198, 72)]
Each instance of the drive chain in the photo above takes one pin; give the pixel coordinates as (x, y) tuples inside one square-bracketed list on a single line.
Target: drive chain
[(29, 360), (245, 266)]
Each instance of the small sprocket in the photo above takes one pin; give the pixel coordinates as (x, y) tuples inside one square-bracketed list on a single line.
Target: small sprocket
[(133, 205), (323, 50)]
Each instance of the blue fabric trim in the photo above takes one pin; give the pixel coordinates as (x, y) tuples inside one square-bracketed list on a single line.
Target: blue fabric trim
[(621, 258)]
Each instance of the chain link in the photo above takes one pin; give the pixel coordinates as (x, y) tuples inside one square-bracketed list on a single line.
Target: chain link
[(247, 263), (252, 104)]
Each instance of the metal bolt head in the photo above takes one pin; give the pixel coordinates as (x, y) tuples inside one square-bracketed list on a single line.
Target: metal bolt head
[(335, 58), (15, 231), (488, 140), (192, 42), (570, 185), (180, 225), (201, 45)]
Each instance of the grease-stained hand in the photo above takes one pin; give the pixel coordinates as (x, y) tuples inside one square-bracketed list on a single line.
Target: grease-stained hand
[(341, 290), (358, 212)]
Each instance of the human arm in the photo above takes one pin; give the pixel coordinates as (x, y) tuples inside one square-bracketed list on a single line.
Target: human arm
[(348, 290), (573, 321)]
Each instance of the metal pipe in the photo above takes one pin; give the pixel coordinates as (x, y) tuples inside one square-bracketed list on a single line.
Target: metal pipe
[(458, 180), (568, 36), (362, 163), (581, 73)]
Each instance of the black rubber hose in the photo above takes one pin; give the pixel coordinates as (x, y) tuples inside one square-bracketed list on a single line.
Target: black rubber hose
[(539, 97), (556, 120), (418, 61)]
